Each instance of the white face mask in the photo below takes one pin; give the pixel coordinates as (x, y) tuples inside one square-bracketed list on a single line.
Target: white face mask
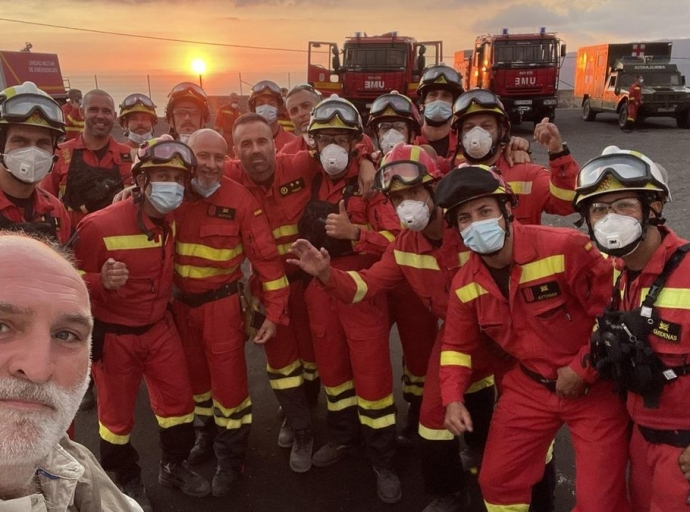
[(334, 159), (234, 105), (413, 214), (390, 139), (139, 139), (484, 236), (477, 142), (29, 165), (268, 112), (166, 197), (204, 190), (617, 235), (438, 110), (184, 137)]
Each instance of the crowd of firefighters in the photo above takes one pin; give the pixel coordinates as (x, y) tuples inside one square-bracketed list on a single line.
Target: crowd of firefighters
[(428, 220)]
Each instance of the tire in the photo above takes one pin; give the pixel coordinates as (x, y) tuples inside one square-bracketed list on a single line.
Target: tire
[(683, 119), (623, 116), (588, 114)]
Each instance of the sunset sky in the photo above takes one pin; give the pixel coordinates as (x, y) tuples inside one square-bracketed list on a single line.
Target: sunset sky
[(123, 62)]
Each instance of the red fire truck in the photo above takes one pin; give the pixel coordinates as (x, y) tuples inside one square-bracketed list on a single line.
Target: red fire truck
[(43, 69), (371, 66), (521, 69)]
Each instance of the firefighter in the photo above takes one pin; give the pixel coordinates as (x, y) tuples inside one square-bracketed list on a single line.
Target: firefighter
[(225, 118), (299, 103), (218, 228), (74, 120), (634, 103), (393, 119), (138, 119), (93, 167), (31, 123), (187, 110), (126, 253), (351, 341), (621, 196), (266, 99), (438, 89), (534, 291)]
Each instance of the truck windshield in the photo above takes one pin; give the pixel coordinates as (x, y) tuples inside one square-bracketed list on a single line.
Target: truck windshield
[(525, 53), (365, 57), (652, 79)]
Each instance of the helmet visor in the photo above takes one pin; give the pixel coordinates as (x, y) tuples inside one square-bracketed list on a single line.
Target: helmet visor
[(481, 97), (165, 151), (22, 106), (407, 172), (189, 88), (400, 104), (132, 100), (627, 169), (432, 75), (328, 110), (266, 86)]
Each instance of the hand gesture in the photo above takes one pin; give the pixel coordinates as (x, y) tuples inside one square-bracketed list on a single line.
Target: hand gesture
[(338, 225), (114, 274), (517, 151), (547, 134), (313, 261), (367, 171)]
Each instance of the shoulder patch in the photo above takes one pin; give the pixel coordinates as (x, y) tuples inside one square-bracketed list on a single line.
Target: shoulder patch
[(126, 157), (540, 292), (66, 155), (221, 212), (291, 187)]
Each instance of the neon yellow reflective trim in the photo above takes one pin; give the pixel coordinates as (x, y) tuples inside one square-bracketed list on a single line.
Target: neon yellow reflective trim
[(542, 268), (387, 235), (287, 230), (362, 287), (203, 397), (129, 242), (549, 453), (308, 365), (283, 248), (521, 187), (194, 272), (208, 253), (372, 405), (616, 273), (589, 246), (203, 411), (435, 435), (470, 292), (481, 384), (287, 370), (286, 382), (109, 436), (420, 379), (672, 298), (277, 284), (174, 421), (518, 507), (450, 358), (230, 424), (334, 391), (464, 257), (81, 272), (247, 402), (562, 193), (342, 404), (376, 423), (413, 389), (420, 261)]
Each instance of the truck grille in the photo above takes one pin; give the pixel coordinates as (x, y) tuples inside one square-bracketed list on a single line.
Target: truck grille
[(667, 97)]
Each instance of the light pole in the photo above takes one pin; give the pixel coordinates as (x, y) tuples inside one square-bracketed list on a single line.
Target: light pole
[(199, 66)]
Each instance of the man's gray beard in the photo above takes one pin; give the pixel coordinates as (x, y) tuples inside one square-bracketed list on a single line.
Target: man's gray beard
[(26, 437)]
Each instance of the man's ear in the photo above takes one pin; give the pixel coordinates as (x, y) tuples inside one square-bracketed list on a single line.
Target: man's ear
[(655, 208)]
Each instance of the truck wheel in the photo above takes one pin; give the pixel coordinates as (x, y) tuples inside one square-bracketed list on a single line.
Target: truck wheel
[(683, 119), (623, 116), (587, 113)]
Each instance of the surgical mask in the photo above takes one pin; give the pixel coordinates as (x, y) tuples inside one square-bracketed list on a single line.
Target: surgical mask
[(268, 112), (29, 165), (184, 137), (166, 197), (617, 235), (334, 159), (477, 143), (413, 214), (484, 236), (234, 105), (139, 139), (439, 111), (641, 80), (204, 190), (390, 139)]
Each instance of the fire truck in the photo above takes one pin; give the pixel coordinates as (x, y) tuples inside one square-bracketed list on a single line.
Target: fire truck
[(43, 69), (521, 69), (371, 66), (605, 72)]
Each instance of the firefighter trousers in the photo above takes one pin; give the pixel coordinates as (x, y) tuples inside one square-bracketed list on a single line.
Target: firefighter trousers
[(523, 426), (213, 340), (353, 357), (156, 356)]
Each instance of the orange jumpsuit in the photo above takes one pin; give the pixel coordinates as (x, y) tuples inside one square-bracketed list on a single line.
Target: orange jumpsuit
[(48, 215), (634, 102), (557, 284), (282, 137), (225, 121), (74, 122), (215, 235), (138, 334), (74, 162)]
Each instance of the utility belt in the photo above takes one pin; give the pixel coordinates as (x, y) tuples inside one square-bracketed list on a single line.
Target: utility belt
[(100, 329), (194, 300), (549, 384), (676, 438)]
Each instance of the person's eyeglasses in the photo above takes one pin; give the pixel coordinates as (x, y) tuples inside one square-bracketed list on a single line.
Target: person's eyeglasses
[(400, 126), (186, 111), (325, 140), (624, 206)]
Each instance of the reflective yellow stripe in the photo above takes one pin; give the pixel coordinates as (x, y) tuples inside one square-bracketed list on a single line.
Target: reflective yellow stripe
[(375, 423), (286, 382), (387, 235), (247, 402), (672, 298), (589, 246), (549, 453), (203, 397), (287, 230), (129, 242), (276, 284), (81, 272), (174, 421), (450, 358), (413, 389), (208, 253), (542, 268), (203, 411), (435, 435), (521, 187), (470, 292), (486, 382), (193, 272), (339, 405), (340, 389), (420, 261), (464, 257), (109, 436), (362, 287), (283, 248), (419, 379), (562, 193), (309, 365), (372, 405), (231, 424), (518, 507), (287, 370)]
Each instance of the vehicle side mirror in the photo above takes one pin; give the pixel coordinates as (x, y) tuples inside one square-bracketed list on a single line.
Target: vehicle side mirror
[(335, 61), (682, 80), (563, 50), (421, 62)]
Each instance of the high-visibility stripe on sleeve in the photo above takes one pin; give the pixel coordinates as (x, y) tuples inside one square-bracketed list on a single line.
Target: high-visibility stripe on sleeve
[(130, 242), (174, 421), (112, 438), (276, 284), (450, 358), (521, 187), (362, 287), (542, 268), (484, 383), (470, 292), (672, 298), (464, 257), (387, 235), (194, 272), (562, 193), (287, 230), (283, 249), (419, 261), (208, 253)]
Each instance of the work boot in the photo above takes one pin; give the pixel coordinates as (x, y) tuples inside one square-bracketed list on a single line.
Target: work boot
[(300, 456), (388, 485), (220, 486), (453, 502), (135, 490), (285, 435), (202, 450), (330, 453), (180, 476)]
